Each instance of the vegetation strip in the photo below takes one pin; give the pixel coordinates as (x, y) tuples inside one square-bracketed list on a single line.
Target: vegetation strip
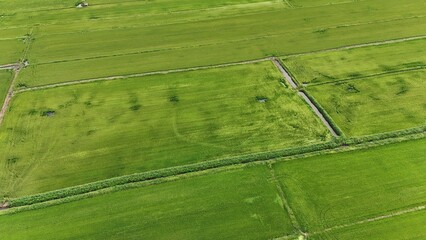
[(336, 144)]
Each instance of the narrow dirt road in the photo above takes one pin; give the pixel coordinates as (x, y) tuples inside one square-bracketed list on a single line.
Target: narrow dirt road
[(285, 73), (10, 66), (9, 94), (318, 113), (293, 84)]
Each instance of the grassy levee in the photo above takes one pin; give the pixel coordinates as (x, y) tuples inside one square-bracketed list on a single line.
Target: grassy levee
[(5, 79), (337, 189), (299, 152), (408, 226), (338, 65), (335, 127), (148, 123), (189, 43), (375, 105), (232, 204)]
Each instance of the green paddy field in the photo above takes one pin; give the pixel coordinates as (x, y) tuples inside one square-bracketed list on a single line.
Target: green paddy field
[(166, 119)]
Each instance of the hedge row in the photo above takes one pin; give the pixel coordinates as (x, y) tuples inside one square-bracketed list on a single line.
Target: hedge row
[(167, 172), (119, 182), (324, 113)]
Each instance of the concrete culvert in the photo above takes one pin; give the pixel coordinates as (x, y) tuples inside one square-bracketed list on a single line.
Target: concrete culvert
[(82, 4), (261, 99), (49, 113)]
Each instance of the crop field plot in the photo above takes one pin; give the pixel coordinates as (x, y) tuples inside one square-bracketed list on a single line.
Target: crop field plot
[(333, 66), (141, 124), (333, 190), (375, 105), (240, 203), (367, 90)]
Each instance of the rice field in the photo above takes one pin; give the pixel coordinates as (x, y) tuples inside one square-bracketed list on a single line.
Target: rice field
[(147, 123), (167, 119)]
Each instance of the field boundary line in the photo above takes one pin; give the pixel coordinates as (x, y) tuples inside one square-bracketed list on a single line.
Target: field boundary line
[(362, 45), (281, 193), (111, 78), (315, 109), (336, 145), (390, 73), (374, 219)]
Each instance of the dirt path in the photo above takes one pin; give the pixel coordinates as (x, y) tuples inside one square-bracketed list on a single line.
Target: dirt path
[(139, 75), (293, 84), (13, 66), (318, 113), (285, 73), (9, 94)]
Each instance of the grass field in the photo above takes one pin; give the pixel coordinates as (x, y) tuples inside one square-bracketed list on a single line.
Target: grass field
[(5, 78), (334, 66), (343, 188), (377, 104), (410, 226), (148, 123), (237, 204), (155, 40)]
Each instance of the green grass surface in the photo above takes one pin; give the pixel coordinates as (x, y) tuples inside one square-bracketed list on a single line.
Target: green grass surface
[(377, 104), (108, 129), (5, 78), (332, 66), (237, 204), (157, 41), (410, 226), (335, 189)]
